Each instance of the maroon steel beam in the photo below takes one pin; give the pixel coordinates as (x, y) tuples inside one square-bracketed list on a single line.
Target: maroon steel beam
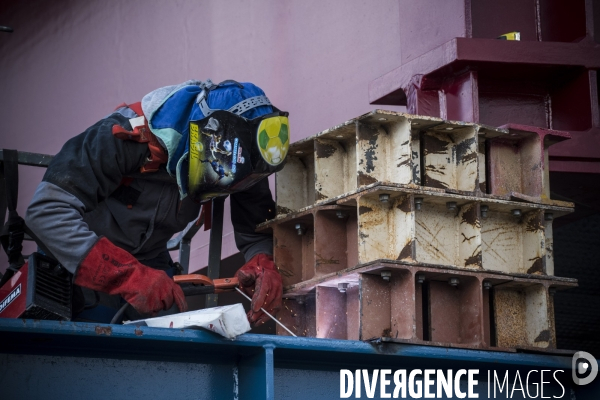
[(460, 52)]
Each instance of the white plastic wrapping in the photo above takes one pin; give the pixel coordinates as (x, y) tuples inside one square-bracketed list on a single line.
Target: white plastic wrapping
[(228, 321)]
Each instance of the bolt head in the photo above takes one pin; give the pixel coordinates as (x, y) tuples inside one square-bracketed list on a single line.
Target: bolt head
[(300, 300), (548, 216), (341, 214), (342, 287), (484, 210), (516, 212), (300, 228), (552, 291), (420, 278), (487, 285), (418, 203), (451, 205), (386, 275), (453, 281), (384, 197)]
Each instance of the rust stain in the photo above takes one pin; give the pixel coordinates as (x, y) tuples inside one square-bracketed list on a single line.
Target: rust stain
[(537, 267), (320, 196), (416, 175), (438, 169), (429, 243), (483, 187), (324, 150), (431, 182), (322, 261), (433, 145), (406, 161), (509, 309), (104, 330), (467, 239), (285, 272), (534, 224), (470, 216), (475, 259), (363, 210), (370, 149), (404, 205), (407, 251), (364, 179), (544, 336), (471, 157), (387, 332), (138, 332), (283, 210), (465, 152), (371, 157)]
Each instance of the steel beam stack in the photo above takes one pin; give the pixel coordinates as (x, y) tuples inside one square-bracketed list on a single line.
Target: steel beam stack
[(417, 229)]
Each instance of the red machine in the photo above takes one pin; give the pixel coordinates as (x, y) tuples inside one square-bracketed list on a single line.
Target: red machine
[(41, 289)]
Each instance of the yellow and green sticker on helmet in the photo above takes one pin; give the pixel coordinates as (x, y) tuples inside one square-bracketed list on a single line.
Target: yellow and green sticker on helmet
[(274, 139)]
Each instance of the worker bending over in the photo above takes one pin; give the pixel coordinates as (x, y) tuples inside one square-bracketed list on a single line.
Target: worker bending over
[(115, 194)]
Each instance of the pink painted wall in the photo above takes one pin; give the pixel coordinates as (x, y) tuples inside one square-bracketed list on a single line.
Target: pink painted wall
[(70, 62)]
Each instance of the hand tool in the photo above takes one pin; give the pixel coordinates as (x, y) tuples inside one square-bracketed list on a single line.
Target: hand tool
[(194, 284)]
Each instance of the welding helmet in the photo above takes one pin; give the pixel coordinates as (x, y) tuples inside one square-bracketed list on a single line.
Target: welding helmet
[(229, 153), (220, 114)]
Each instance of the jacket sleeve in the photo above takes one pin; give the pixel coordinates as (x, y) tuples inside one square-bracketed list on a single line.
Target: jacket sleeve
[(248, 209), (86, 171)]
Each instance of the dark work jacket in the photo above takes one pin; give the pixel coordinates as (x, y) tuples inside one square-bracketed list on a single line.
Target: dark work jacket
[(84, 195)]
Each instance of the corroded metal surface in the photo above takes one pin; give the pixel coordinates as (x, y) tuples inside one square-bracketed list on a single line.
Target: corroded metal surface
[(450, 158), (375, 309), (330, 245), (351, 275), (459, 315), (403, 310), (469, 237), (436, 234), (362, 228), (396, 148), (420, 230), (518, 162), (456, 312), (522, 317), (293, 253)]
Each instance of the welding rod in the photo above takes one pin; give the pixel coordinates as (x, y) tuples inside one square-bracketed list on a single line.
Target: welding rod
[(265, 311)]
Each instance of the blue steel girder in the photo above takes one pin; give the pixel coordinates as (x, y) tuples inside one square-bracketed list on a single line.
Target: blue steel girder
[(253, 366)]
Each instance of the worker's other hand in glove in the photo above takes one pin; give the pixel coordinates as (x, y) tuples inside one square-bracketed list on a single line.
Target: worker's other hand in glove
[(110, 269), (260, 280)]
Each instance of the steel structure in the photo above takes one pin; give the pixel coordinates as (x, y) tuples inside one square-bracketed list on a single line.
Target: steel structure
[(49, 359), (420, 230)]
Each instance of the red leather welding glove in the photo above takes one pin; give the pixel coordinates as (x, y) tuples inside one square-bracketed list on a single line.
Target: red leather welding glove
[(260, 280), (110, 269)]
